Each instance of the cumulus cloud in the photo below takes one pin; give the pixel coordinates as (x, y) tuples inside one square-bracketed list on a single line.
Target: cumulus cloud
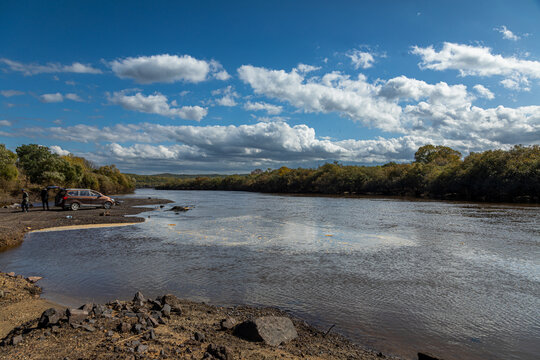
[(5, 123), (10, 93), (258, 106), (168, 69), (478, 61), (51, 98), (484, 92), (506, 33), (55, 149), (33, 69), (361, 59), (333, 92), (157, 104), (228, 96)]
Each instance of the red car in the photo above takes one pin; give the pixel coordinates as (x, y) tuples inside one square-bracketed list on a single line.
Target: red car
[(74, 199)]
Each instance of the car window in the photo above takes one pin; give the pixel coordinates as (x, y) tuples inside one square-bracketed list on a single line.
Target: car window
[(73, 193), (84, 193), (93, 193)]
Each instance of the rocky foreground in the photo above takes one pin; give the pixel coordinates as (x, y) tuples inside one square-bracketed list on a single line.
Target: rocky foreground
[(164, 328)]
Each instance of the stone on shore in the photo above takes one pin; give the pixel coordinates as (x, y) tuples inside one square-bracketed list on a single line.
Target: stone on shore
[(34, 279), (16, 339), (180, 208), (228, 323), (139, 299), (218, 352), (50, 317), (76, 315), (173, 302), (273, 330)]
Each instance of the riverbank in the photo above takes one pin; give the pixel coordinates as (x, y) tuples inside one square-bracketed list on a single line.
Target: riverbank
[(14, 224), (164, 328)]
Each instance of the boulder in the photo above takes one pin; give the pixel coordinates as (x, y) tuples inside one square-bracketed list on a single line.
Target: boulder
[(87, 307), (11, 274), (50, 317), (273, 330), (76, 315), (34, 279)]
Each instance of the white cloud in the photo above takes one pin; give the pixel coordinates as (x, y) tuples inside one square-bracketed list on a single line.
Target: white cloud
[(51, 98), (5, 123), (167, 68), (303, 68), (477, 61), (507, 34), (58, 97), (483, 92), (361, 59), (157, 104), (73, 97), (228, 98), (258, 106), (10, 93), (333, 92), (33, 69), (55, 149)]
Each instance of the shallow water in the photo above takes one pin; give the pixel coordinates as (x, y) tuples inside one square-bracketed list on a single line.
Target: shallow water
[(459, 280)]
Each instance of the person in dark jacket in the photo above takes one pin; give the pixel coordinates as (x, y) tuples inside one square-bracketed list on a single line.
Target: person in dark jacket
[(25, 201), (45, 198)]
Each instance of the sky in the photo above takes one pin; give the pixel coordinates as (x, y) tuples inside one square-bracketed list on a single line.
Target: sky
[(228, 87)]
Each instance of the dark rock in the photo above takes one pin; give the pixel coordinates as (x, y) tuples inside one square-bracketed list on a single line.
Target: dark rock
[(151, 335), (124, 327), (155, 304), (116, 305), (16, 339), (180, 208), (139, 299), (228, 323), (87, 307), (129, 314), (166, 310), (151, 322), (137, 328), (199, 337), (273, 330), (219, 352), (76, 315), (173, 302), (141, 348), (425, 356), (89, 328), (99, 309), (50, 317)]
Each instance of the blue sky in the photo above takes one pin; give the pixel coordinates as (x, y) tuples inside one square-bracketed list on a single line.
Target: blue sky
[(217, 86)]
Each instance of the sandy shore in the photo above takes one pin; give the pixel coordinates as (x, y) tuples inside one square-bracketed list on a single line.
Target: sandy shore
[(14, 224)]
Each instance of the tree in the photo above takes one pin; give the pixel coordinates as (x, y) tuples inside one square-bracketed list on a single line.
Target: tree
[(440, 155), (8, 159), (37, 160)]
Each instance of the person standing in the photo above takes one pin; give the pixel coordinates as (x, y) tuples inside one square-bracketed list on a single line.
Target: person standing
[(25, 201), (45, 198)]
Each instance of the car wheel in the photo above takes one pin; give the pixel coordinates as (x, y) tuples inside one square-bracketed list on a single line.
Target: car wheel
[(75, 206), (107, 205)]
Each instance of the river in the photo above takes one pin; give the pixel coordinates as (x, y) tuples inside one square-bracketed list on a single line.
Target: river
[(461, 280)]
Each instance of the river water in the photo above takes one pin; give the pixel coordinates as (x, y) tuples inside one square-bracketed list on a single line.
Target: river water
[(460, 280)]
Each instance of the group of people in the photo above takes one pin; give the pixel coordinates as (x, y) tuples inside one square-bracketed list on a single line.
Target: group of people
[(25, 204)]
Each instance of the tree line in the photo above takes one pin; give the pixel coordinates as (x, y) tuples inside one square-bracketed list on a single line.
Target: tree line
[(437, 172), (34, 166)]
